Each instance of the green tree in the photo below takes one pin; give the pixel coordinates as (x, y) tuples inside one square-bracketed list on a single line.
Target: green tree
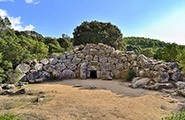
[(2, 24), (7, 22), (181, 59), (168, 53), (134, 48), (65, 42), (13, 52), (149, 52), (1, 57), (98, 32), (144, 42), (54, 46), (40, 50)]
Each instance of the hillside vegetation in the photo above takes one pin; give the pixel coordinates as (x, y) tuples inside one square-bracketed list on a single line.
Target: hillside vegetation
[(24, 46), (169, 52), (143, 45)]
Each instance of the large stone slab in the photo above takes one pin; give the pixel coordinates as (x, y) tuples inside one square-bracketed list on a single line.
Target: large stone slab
[(67, 74), (140, 82), (83, 70), (23, 68), (44, 61)]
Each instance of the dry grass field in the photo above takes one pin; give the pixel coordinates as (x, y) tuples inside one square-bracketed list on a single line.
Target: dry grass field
[(62, 102)]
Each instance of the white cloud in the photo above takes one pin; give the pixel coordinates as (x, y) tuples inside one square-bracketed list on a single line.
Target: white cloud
[(170, 29), (7, 0), (3, 13), (35, 2), (29, 27), (16, 22)]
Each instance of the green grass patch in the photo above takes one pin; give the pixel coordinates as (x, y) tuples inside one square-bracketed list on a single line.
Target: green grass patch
[(9, 117), (178, 116)]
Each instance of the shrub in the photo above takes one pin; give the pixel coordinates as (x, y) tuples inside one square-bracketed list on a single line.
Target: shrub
[(123, 75), (13, 76), (2, 79), (8, 117), (178, 116), (131, 74)]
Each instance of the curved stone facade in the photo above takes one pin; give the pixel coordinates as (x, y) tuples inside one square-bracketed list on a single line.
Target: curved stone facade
[(99, 61)]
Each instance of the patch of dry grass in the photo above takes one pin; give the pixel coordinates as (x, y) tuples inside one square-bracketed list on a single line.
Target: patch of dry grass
[(67, 103)]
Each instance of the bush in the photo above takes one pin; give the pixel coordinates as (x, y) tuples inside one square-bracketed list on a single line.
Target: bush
[(178, 116), (131, 74), (13, 76), (8, 117), (2, 79)]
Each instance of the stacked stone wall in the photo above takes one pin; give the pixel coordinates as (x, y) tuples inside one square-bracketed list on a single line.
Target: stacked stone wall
[(105, 60)]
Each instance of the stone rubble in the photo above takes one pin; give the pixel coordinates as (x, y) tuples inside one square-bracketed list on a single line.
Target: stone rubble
[(108, 64)]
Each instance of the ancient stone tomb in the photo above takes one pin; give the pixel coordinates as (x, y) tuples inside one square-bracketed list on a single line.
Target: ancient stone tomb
[(89, 61), (98, 61)]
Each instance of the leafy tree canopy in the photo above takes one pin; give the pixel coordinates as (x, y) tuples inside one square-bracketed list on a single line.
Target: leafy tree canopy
[(98, 32), (144, 42)]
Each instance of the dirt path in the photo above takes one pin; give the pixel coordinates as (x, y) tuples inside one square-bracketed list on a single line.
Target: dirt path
[(114, 86), (63, 102)]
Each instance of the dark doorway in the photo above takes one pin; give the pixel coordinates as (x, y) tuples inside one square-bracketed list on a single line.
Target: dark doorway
[(93, 74)]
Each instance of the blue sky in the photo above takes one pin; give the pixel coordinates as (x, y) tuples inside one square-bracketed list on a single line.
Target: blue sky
[(159, 19)]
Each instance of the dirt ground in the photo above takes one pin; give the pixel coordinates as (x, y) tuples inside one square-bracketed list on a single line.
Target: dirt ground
[(62, 101)]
